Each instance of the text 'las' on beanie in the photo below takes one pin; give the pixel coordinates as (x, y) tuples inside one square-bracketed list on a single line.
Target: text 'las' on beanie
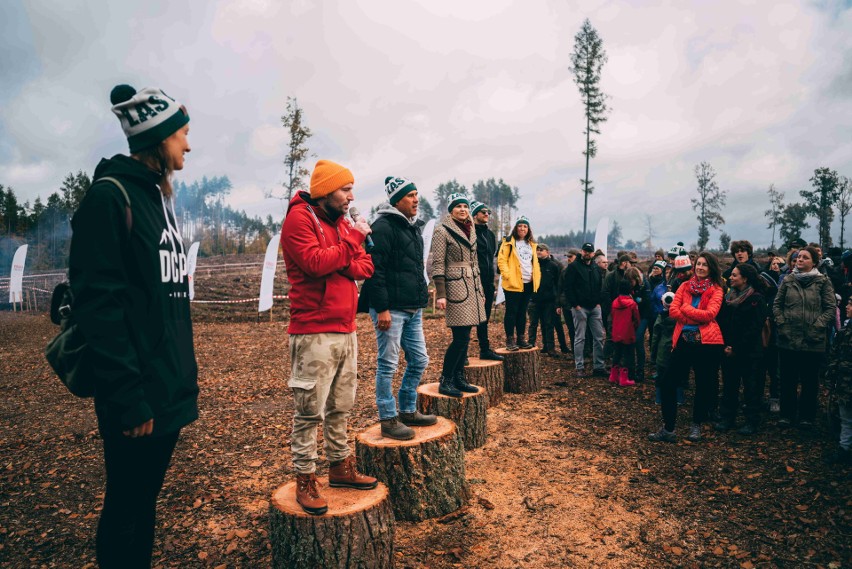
[(148, 117), (329, 176), (397, 188), (456, 199)]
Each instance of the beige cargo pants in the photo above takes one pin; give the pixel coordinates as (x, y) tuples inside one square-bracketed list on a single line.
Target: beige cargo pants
[(323, 380)]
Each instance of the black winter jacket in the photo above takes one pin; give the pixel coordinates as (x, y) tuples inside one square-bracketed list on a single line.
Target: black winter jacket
[(399, 280), (486, 251), (581, 285), (742, 325), (548, 288), (131, 302)]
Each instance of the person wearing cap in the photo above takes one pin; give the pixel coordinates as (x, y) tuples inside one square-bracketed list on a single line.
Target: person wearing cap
[(324, 257), (544, 301), (458, 289), (571, 256), (582, 290), (521, 275), (486, 251), (394, 297), (127, 270)]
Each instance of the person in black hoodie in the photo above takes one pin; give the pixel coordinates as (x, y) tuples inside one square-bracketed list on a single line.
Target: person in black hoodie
[(127, 270), (743, 252), (544, 308), (582, 291), (486, 251)]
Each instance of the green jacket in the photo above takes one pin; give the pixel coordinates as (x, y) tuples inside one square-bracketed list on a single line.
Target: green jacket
[(839, 372), (131, 302), (803, 313)]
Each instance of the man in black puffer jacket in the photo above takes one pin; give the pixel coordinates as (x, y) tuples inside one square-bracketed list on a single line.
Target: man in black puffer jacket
[(395, 296), (486, 251)]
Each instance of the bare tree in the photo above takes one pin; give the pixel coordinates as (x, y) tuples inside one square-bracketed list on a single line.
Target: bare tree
[(844, 204), (650, 234), (297, 152), (775, 211), (709, 203)]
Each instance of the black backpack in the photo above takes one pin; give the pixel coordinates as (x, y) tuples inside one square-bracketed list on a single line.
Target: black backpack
[(68, 352)]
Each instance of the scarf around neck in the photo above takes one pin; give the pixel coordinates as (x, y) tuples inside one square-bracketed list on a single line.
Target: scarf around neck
[(736, 297), (806, 278), (697, 287)]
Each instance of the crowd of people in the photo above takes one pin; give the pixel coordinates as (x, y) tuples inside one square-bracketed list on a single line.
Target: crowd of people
[(131, 307)]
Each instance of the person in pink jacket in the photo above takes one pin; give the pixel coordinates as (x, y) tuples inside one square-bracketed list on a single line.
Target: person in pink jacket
[(697, 343)]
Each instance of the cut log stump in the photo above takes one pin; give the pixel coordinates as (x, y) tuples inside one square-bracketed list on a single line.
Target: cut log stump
[(356, 532), (487, 374), (425, 475), (467, 412), (521, 370)]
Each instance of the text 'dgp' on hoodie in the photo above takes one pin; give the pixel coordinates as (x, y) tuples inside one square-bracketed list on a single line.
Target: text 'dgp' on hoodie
[(132, 301)]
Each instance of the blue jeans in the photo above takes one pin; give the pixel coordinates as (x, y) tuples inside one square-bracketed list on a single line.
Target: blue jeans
[(406, 331), (592, 318)]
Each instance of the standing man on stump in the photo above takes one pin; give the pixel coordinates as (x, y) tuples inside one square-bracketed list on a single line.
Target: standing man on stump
[(486, 251), (395, 296), (324, 258)]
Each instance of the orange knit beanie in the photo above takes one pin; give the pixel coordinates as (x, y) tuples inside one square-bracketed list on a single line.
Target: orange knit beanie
[(327, 177)]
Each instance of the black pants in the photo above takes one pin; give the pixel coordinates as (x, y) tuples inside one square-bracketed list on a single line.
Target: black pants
[(457, 351), (703, 359), (770, 364), (745, 371), (515, 320), (482, 328), (569, 321), (135, 469), (799, 368), (624, 355)]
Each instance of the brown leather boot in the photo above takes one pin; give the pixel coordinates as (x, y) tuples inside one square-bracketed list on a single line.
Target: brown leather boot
[(343, 474), (308, 496)]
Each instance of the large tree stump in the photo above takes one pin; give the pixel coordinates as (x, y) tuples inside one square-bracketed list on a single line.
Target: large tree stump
[(425, 475), (521, 370), (467, 412), (487, 374), (357, 530)]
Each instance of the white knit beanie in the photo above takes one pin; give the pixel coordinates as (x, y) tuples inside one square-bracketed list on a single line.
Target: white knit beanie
[(147, 117)]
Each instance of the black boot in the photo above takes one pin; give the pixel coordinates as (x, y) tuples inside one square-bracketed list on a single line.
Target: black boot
[(462, 384), (489, 354), (447, 387), (511, 346)]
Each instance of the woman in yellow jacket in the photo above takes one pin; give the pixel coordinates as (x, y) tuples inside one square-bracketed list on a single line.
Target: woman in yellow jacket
[(520, 273)]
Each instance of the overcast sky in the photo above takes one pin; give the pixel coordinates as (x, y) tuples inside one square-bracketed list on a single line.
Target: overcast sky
[(441, 89)]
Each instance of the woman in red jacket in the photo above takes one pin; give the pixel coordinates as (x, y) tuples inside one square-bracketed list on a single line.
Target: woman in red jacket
[(697, 343)]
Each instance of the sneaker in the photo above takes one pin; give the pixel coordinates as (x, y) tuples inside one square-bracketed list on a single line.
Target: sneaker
[(774, 405), (447, 387), (511, 346), (784, 422), (663, 436), (524, 345), (490, 355), (694, 433), (748, 429), (393, 429)]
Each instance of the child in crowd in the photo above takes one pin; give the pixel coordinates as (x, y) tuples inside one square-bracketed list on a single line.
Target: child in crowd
[(625, 321)]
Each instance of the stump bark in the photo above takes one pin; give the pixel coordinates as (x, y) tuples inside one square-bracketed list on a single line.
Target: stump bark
[(467, 412), (425, 475), (356, 532), (487, 374), (521, 370)]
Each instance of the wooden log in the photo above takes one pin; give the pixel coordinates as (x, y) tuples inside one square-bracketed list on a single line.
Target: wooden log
[(356, 532), (467, 412), (425, 475), (521, 370), (487, 374)]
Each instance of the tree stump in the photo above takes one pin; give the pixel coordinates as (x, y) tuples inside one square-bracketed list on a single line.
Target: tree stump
[(487, 374), (425, 475), (356, 532), (468, 413), (521, 370)]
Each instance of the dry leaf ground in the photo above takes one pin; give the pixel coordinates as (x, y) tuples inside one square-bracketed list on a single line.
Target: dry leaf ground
[(566, 478)]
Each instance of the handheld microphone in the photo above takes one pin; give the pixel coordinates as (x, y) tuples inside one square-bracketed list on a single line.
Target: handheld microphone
[(356, 215)]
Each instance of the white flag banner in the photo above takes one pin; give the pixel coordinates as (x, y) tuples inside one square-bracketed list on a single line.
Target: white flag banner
[(16, 291), (190, 268), (428, 230), (270, 263), (602, 235), (501, 296)]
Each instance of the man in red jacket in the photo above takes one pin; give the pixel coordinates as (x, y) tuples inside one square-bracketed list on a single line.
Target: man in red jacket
[(324, 258)]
